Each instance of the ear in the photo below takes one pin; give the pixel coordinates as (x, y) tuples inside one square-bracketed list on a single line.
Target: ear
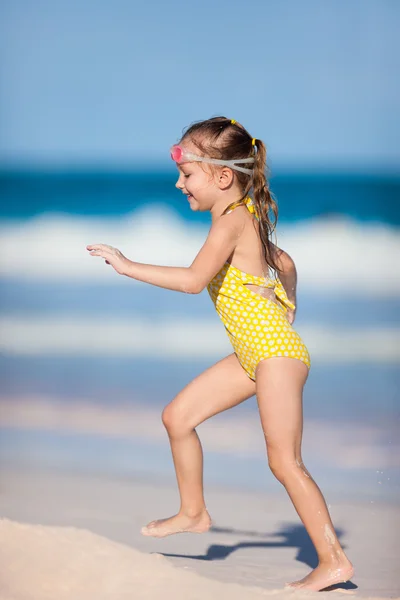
[(224, 178)]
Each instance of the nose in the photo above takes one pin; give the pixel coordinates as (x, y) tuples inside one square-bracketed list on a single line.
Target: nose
[(179, 183)]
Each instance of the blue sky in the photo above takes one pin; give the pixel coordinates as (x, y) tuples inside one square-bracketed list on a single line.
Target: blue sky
[(112, 83)]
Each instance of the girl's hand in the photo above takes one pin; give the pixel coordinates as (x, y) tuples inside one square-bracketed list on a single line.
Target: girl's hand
[(112, 256), (290, 315)]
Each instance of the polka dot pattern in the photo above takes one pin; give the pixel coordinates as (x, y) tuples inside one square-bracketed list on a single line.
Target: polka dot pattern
[(257, 327)]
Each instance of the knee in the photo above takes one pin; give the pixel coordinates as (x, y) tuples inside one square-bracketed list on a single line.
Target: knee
[(282, 466), (169, 417), (278, 468), (173, 421)]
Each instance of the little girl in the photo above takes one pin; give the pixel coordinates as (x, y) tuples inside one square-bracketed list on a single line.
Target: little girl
[(220, 165)]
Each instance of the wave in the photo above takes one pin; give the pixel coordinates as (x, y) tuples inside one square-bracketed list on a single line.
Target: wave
[(331, 255), (177, 338), (348, 445)]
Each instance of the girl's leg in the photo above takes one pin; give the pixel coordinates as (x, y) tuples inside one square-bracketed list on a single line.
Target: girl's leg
[(220, 387), (279, 383)]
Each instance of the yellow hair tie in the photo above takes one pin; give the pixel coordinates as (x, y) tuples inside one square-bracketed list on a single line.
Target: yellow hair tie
[(253, 142), (233, 121)]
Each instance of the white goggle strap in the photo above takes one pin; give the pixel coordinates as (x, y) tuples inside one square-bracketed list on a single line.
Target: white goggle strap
[(225, 163)]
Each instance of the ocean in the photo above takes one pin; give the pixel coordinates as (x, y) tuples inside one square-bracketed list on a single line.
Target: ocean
[(300, 195), (83, 350)]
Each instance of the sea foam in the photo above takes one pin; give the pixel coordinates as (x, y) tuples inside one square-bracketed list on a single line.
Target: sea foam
[(178, 339), (332, 255)]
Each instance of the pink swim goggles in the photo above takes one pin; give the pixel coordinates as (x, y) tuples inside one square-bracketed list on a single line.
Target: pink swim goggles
[(180, 155)]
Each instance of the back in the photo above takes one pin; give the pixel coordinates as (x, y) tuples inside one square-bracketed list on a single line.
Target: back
[(248, 255)]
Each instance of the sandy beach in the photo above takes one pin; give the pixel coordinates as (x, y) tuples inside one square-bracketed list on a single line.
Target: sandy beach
[(140, 185), (77, 536)]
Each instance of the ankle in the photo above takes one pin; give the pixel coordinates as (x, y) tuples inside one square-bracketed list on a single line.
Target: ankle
[(193, 513), (334, 559)]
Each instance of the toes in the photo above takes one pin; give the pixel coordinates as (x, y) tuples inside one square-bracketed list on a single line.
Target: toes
[(151, 524), (154, 524), (149, 532), (148, 528), (151, 528)]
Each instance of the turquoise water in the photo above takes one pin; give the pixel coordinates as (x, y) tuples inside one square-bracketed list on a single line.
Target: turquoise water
[(47, 215), (300, 196)]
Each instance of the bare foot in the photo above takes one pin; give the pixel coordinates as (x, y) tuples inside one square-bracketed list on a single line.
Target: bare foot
[(178, 524), (324, 576)]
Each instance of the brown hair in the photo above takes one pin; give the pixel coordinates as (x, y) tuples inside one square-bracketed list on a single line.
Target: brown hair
[(219, 138)]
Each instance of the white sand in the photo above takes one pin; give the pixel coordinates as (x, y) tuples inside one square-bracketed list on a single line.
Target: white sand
[(76, 537), (61, 563)]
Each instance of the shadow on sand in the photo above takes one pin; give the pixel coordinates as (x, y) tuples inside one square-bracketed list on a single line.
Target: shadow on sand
[(290, 536)]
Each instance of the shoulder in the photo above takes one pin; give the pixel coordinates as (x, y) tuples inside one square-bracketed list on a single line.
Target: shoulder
[(229, 224)]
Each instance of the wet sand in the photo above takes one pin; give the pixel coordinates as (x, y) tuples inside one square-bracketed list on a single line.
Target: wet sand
[(77, 536)]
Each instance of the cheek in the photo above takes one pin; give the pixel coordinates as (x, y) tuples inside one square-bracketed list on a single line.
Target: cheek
[(204, 183)]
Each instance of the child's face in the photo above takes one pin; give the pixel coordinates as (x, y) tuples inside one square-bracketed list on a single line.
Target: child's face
[(197, 182)]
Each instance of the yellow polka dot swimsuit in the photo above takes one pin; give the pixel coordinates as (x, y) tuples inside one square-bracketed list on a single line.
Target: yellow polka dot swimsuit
[(257, 327)]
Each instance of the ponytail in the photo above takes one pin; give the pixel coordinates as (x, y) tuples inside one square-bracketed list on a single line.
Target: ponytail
[(264, 204)]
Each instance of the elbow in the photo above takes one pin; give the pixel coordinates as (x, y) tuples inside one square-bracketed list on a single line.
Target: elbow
[(288, 263), (193, 286)]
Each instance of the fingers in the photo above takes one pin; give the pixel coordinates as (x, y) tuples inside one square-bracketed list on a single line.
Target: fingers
[(100, 247), (103, 250), (112, 256)]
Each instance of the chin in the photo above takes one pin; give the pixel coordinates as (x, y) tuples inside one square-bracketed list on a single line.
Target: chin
[(194, 205)]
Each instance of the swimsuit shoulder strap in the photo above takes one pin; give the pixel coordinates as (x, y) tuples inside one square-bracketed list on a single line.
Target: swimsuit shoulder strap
[(248, 202)]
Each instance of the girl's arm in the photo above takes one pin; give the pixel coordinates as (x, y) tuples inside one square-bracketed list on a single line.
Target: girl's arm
[(219, 245), (288, 275)]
